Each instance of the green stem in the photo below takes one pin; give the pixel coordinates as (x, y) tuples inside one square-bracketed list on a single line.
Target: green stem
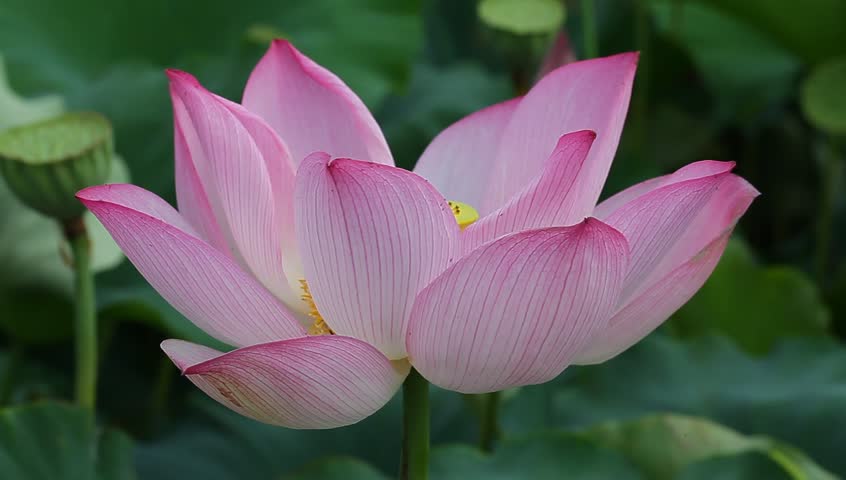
[(414, 464), (589, 39), (489, 428), (86, 320), (831, 172)]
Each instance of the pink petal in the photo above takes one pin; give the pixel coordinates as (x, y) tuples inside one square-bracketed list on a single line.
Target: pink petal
[(202, 283), (587, 95), (191, 196), (683, 269), (372, 236), (322, 381), (646, 312), (516, 311), (654, 222), (460, 160), (549, 200), (231, 166), (312, 109)]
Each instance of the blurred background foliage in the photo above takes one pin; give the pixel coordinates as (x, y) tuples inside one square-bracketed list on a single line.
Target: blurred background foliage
[(747, 381)]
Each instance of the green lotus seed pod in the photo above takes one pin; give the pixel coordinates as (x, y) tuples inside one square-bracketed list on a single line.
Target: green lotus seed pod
[(47, 162)]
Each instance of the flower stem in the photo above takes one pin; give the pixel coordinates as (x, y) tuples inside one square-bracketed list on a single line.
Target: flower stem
[(589, 41), (489, 428), (86, 320), (414, 464)]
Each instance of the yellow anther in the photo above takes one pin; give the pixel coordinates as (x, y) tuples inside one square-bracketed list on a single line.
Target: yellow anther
[(319, 326), (464, 214)]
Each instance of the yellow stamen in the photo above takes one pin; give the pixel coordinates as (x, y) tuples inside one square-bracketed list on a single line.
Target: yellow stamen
[(319, 327), (464, 214)]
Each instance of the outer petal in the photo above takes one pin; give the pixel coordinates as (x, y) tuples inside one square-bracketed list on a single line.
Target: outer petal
[(372, 236), (202, 283), (312, 109), (683, 270), (655, 222), (643, 314), (232, 168), (310, 382), (588, 95), (460, 160), (516, 311), (548, 201)]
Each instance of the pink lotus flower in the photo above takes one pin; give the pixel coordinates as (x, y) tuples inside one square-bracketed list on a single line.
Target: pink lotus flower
[(332, 276)]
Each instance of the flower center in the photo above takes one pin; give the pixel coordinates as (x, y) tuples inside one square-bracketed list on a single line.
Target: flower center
[(319, 326), (464, 214)]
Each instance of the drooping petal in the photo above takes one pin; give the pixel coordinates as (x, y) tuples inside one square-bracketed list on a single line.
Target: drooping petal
[(205, 285), (700, 169), (311, 108), (460, 160), (587, 95), (639, 317), (517, 310), (685, 267), (654, 222), (548, 201), (232, 168), (311, 382), (372, 236)]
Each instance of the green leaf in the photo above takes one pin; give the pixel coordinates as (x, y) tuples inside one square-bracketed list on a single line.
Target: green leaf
[(214, 443), (812, 29), (755, 305), (733, 57), (16, 110), (824, 96), (523, 17), (735, 467), (340, 468), (663, 445), (539, 456), (52, 441), (794, 394)]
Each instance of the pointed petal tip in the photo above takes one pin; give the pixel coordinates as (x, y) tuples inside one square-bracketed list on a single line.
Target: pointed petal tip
[(101, 193), (180, 77)]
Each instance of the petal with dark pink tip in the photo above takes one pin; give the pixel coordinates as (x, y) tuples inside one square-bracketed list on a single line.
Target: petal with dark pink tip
[(311, 382), (311, 108), (517, 310), (232, 167), (682, 257), (202, 283), (587, 95), (550, 200)]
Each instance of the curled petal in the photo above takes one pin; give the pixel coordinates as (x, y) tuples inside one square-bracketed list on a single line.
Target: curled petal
[(312, 109), (688, 259), (517, 310), (587, 95), (228, 148), (459, 161), (549, 200), (203, 284), (372, 236), (314, 382)]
